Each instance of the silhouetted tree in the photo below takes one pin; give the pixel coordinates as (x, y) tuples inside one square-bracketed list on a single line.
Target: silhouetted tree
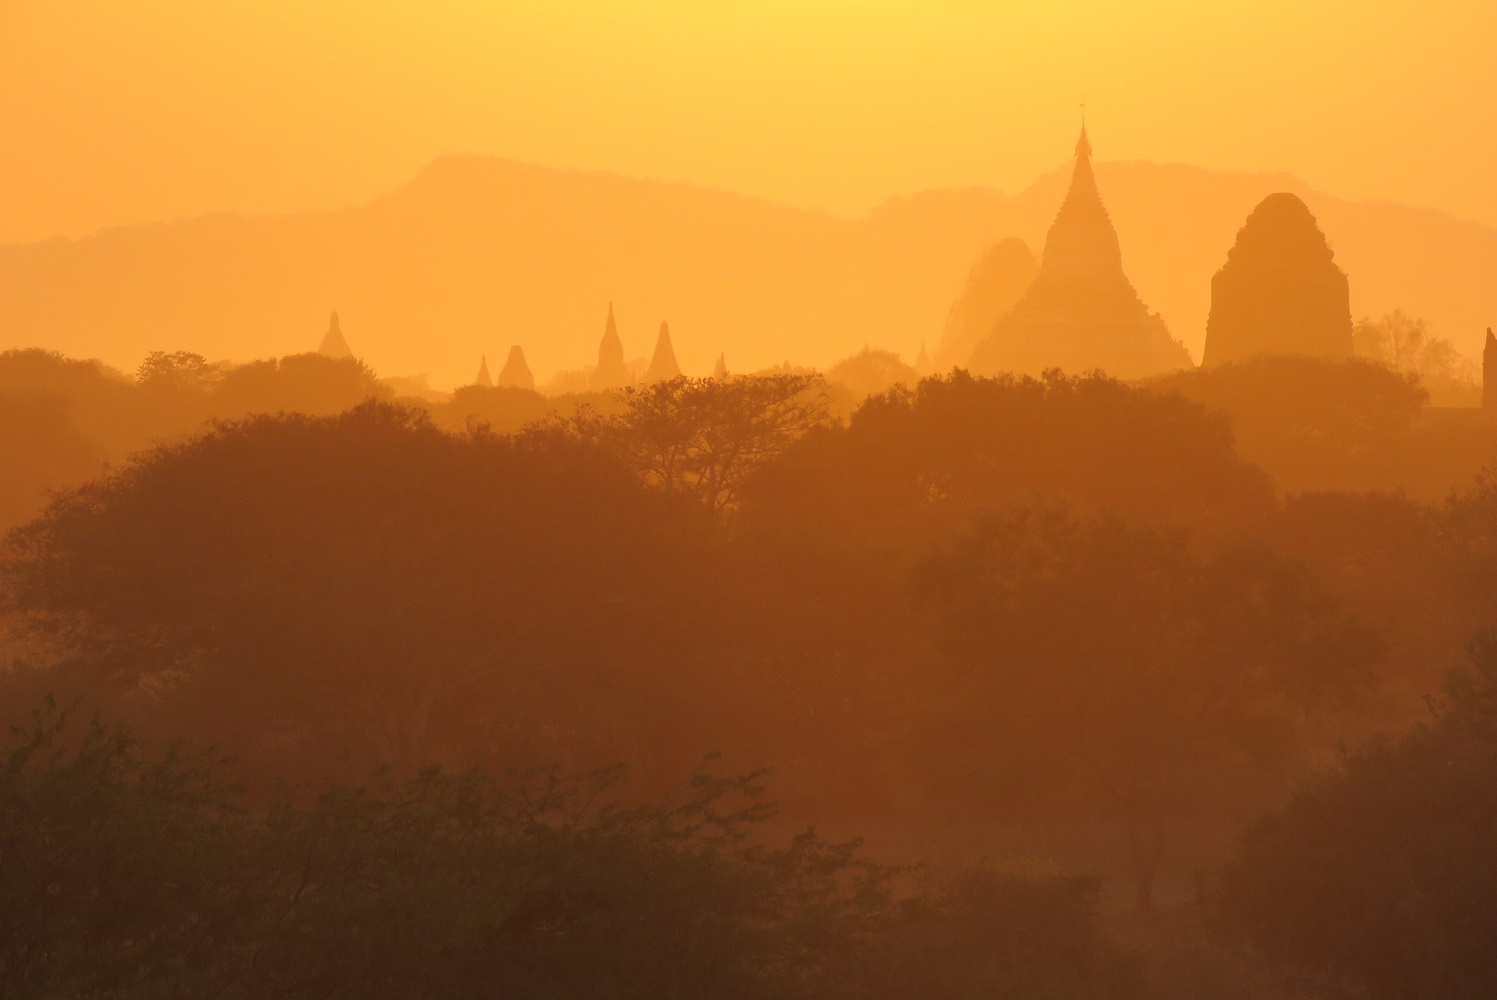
[(1098, 658), (869, 371), (1407, 346), (1311, 423), (705, 436), (1383, 874), (44, 451), (127, 873), (370, 581), (300, 383), (177, 371), (912, 464)]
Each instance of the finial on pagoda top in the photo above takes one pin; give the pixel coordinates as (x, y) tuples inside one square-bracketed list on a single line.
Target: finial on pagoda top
[(1083, 145)]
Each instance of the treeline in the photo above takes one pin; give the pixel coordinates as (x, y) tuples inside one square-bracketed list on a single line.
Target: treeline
[(1312, 425), (1064, 617), (137, 874)]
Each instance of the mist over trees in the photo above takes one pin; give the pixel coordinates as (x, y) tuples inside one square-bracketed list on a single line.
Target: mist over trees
[(1067, 617)]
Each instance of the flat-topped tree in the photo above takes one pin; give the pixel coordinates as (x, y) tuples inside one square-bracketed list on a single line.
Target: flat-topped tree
[(333, 345), (516, 373), (663, 363)]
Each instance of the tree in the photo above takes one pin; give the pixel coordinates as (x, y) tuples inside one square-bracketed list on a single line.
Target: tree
[(705, 436), (44, 451), (303, 383), (1382, 874), (117, 865), (1310, 423), (915, 463), (179, 371), (1407, 346), (869, 372), (1097, 661), (130, 873), (369, 581)]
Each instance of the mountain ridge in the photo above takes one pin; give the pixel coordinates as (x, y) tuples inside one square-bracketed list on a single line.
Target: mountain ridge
[(475, 253)]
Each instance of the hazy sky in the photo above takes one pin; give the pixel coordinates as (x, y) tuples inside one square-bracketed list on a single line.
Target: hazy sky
[(114, 111)]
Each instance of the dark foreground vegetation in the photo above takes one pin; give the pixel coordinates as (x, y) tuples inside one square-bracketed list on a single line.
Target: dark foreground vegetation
[(1065, 625), (136, 874)]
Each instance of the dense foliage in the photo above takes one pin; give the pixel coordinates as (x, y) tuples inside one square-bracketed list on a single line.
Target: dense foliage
[(127, 873)]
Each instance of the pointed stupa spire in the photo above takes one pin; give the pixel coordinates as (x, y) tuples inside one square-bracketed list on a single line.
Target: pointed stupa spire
[(720, 370), (333, 344), (482, 378), (663, 363), (516, 372), (1081, 313), (612, 372)]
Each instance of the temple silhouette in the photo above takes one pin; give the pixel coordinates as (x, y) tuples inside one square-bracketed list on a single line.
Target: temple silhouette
[(1082, 312), (1280, 291)]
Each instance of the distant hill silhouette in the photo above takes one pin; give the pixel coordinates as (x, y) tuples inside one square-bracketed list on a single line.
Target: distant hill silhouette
[(422, 277)]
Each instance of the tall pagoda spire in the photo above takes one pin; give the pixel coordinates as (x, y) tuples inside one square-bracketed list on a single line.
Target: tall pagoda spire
[(1082, 312), (333, 345), (663, 364), (516, 373), (612, 372), (482, 378)]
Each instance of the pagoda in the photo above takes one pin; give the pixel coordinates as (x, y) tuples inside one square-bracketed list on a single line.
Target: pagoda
[(1081, 313)]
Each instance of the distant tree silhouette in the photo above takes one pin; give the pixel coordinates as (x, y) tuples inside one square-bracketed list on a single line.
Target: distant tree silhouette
[(1407, 346), (1382, 874), (501, 409), (131, 872), (1311, 423), (914, 463), (869, 372), (370, 581), (44, 451), (177, 371), (1113, 661), (302, 383), (705, 436)]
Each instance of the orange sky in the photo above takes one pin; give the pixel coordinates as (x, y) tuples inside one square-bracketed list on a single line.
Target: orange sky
[(119, 112)]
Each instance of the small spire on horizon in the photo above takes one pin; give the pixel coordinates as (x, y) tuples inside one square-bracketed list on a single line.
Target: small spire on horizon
[(482, 378)]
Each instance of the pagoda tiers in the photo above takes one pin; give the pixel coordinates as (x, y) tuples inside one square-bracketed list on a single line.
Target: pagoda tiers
[(1081, 313)]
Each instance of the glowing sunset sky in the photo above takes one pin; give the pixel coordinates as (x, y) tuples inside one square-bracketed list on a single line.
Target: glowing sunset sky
[(119, 112)]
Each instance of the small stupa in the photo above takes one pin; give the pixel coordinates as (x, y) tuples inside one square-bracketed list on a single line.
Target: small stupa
[(333, 345), (516, 373), (612, 371), (720, 370), (1082, 313), (1280, 291), (482, 378), (663, 362)]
